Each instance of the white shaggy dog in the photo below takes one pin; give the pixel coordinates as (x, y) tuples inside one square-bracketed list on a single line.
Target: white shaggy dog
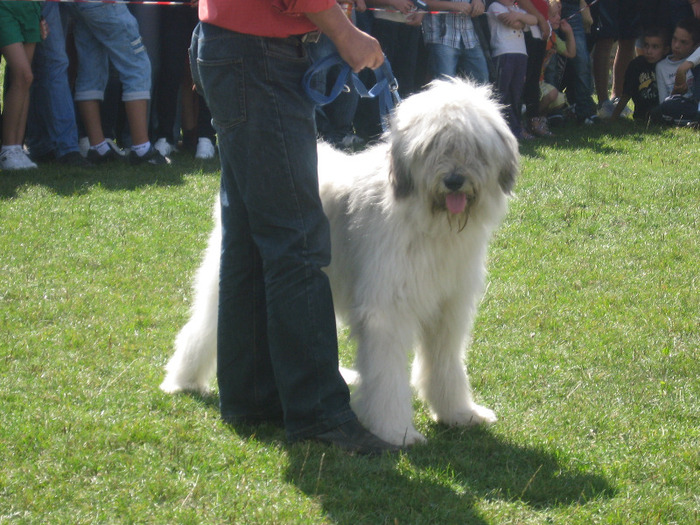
[(411, 219)]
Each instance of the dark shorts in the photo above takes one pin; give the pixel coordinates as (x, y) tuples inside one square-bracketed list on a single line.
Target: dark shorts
[(19, 22), (618, 19)]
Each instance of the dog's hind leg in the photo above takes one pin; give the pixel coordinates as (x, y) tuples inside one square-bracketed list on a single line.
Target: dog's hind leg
[(440, 375)]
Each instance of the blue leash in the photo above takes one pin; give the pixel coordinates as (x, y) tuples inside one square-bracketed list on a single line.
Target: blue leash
[(385, 90)]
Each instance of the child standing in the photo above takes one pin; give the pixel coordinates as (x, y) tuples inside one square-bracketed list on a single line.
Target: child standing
[(19, 33), (551, 99), (640, 78), (506, 22)]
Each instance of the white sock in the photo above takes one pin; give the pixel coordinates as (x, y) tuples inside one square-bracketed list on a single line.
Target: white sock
[(10, 147), (141, 149), (102, 148)]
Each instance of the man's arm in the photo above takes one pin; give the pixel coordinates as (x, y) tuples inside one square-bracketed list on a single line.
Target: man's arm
[(357, 48)]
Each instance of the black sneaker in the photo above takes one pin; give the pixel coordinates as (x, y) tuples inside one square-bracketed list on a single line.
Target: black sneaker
[(152, 157), (352, 437), (75, 159), (95, 158)]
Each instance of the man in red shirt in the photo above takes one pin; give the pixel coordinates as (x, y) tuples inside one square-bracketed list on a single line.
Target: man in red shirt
[(277, 344)]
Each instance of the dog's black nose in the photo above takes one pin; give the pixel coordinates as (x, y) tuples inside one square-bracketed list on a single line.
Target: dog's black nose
[(454, 182)]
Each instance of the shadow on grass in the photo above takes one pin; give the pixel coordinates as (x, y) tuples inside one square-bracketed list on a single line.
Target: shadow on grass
[(595, 139), (71, 181), (440, 482)]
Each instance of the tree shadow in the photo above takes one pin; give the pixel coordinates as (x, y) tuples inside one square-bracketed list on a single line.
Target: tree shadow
[(439, 482), (117, 176)]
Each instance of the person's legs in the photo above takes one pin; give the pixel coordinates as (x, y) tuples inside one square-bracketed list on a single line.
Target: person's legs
[(137, 117), (16, 102), (536, 49), (583, 81), (601, 67), (624, 55), (629, 23), (472, 62), (92, 121), (51, 125), (176, 28), (443, 60), (510, 74), (277, 339), (115, 30)]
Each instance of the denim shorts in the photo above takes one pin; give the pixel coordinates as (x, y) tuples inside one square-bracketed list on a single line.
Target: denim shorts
[(105, 32)]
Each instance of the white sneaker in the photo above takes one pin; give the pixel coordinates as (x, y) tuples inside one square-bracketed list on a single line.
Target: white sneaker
[(16, 159), (205, 149), (164, 147), (606, 109)]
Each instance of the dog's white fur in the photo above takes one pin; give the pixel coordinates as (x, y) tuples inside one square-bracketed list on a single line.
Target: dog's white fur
[(411, 219)]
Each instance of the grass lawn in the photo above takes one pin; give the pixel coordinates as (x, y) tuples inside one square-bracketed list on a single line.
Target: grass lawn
[(586, 346)]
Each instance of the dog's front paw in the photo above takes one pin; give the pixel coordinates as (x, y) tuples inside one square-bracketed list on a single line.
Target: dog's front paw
[(405, 438), (472, 416), (173, 386)]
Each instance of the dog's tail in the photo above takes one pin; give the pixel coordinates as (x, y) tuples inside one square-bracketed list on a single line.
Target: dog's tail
[(352, 377)]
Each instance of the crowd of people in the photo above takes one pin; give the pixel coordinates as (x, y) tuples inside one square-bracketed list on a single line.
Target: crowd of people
[(90, 83)]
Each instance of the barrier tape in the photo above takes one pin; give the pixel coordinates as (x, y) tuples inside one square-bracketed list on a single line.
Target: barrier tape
[(136, 2)]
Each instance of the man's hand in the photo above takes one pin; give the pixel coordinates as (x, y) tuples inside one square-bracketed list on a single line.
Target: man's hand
[(357, 48)]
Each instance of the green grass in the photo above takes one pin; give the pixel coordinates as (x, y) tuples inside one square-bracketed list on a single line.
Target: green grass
[(586, 345)]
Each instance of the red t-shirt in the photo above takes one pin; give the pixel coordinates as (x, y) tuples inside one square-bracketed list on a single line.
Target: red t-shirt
[(542, 6), (272, 18)]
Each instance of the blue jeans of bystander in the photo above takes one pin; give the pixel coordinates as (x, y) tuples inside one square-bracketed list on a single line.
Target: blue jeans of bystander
[(449, 61), (583, 74), (51, 124)]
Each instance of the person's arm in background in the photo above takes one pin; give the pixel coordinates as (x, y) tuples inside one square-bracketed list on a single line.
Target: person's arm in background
[(680, 85), (542, 23)]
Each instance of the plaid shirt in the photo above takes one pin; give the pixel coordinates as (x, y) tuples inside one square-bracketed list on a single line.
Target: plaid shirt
[(449, 29)]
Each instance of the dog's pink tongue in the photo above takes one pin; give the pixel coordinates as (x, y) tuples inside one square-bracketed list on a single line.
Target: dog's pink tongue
[(456, 202)]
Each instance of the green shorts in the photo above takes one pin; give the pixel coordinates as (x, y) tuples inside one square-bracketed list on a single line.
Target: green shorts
[(19, 22)]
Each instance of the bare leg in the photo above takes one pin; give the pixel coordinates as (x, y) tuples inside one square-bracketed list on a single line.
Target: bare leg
[(90, 113), (624, 55), (137, 115), (601, 67), (19, 59)]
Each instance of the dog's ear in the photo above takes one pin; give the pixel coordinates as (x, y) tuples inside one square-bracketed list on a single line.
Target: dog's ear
[(400, 173), (511, 165), (506, 179)]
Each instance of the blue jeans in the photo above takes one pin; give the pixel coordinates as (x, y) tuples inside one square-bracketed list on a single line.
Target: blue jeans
[(104, 33), (449, 61), (51, 124), (581, 64), (277, 349)]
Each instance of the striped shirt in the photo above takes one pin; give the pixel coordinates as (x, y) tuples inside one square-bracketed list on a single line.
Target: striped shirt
[(449, 29)]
